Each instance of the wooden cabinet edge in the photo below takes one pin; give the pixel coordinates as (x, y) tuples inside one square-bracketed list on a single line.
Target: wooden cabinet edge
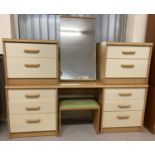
[(123, 129), (14, 40), (33, 134)]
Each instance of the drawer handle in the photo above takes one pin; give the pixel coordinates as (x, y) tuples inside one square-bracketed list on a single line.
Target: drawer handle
[(31, 121), (31, 51), (123, 117), (127, 66), (32, 95), (32, 108), (124, 106), (128, 52), (125, 94), (32, 65)]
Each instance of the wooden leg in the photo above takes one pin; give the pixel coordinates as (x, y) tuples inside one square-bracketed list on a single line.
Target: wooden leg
[(96, 120), (59, 125)]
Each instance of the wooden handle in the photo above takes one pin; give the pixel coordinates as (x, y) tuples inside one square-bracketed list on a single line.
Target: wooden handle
[(32, 65), (32, 95), (127, 66), (123, 117), (32, 108), (31, 51), (124, 106), (30, 121), (128, 52), (125, 94)]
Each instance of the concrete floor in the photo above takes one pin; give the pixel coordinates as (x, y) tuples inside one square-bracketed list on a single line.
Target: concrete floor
[(83, 132)]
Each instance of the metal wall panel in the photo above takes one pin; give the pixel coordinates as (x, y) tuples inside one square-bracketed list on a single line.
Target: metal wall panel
[(109, 27)]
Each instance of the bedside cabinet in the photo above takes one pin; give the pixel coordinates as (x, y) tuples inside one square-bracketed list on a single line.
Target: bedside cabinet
[(31, 69), (26, 62), (124, 63)]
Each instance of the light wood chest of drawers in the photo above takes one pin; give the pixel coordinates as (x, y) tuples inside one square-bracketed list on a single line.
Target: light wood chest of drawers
[(28, 62), (123, 107), (31, 111), (123, 64)]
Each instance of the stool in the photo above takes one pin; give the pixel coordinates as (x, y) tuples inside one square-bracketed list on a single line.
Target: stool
[(81, 104)]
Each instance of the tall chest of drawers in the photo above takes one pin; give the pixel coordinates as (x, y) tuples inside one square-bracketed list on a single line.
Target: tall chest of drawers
[(124, 67), (31, 69)]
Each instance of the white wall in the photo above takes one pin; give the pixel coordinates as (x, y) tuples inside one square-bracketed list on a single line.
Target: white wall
[(136, 27), (5, 28)]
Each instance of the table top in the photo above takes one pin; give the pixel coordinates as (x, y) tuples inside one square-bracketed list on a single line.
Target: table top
[(91, 84)]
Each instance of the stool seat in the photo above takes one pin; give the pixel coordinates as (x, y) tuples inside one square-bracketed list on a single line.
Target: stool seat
[(78, 104)]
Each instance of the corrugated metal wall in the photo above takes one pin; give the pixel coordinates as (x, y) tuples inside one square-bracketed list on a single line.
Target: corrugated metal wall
[(109, 27)]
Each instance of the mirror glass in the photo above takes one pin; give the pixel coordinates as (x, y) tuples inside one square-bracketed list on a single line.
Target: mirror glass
[(77, 48)]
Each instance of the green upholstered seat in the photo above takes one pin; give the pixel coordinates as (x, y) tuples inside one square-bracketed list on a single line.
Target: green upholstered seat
[(71, 104)]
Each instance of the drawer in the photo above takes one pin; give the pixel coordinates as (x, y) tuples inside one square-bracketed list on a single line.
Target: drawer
[(31, 68), (32, 122), (136, 52), (123, 93), (124, 104), (32, 95), (122, 119), (125, 68), (31, 50), (31, 107)]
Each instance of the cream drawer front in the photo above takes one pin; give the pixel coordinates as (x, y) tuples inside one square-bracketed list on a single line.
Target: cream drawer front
[(31, 107), (32, 95), (122, 105), (31, 50), (32, 122), (123, 93), (120, 68), (122, 119), (136, 52), (31, 68)]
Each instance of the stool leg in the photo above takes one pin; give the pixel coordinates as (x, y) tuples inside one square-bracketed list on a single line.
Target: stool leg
[(96, 120)]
